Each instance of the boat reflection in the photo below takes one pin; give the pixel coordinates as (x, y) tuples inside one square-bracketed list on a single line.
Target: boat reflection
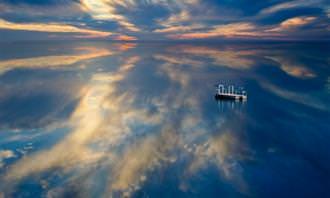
[(230, 105)]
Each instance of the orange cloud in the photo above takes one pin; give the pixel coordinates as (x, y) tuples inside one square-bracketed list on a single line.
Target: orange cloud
[(52, 27), (293, 23), (229, 30), (297, 21)]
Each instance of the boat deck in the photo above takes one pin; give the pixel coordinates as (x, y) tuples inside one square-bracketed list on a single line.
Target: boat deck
[(230, 93)]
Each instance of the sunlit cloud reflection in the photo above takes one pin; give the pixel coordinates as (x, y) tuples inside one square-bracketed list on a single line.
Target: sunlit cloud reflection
[(54, 61), (103, 134), (121, 135), (226, 57)]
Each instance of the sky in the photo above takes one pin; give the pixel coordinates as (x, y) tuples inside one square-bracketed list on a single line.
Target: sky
[(142, 20)]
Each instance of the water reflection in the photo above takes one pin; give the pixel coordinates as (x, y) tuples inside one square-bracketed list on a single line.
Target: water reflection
[(229, 105), (53, 61), (141, 120)]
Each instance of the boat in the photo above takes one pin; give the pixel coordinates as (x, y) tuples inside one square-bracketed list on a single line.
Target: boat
[(230, 92)]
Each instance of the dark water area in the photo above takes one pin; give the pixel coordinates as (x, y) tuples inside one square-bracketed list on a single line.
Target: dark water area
[(98, 119)]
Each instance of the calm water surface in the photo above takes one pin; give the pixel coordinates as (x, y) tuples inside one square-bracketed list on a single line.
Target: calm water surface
[(93, 119)]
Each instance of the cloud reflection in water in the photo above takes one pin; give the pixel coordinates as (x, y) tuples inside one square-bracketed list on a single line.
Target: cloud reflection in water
[(120, 136)]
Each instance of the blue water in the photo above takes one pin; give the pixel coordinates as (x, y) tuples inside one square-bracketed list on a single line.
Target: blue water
[(102, 119)]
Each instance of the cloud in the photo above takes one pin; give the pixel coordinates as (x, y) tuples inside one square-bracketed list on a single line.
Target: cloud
[(289, 5), (297, 21), (292, 23), (180, 28), (229, 31), (52, 28), (186, 19), (240, 30), (114, 11), (175, 19), (107, 10), (122, 12)]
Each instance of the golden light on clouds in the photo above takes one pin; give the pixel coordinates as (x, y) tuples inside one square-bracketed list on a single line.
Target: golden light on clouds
[(166, 19), (297, 21), (292, 23), (84, 119), (107, 10), (175, 19), (228, 30), (52, 28)]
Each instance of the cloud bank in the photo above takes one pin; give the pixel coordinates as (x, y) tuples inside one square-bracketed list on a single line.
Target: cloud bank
[(132, 20)]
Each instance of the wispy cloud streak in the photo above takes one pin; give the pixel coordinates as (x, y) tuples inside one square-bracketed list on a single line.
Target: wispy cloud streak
[(52, 28)]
